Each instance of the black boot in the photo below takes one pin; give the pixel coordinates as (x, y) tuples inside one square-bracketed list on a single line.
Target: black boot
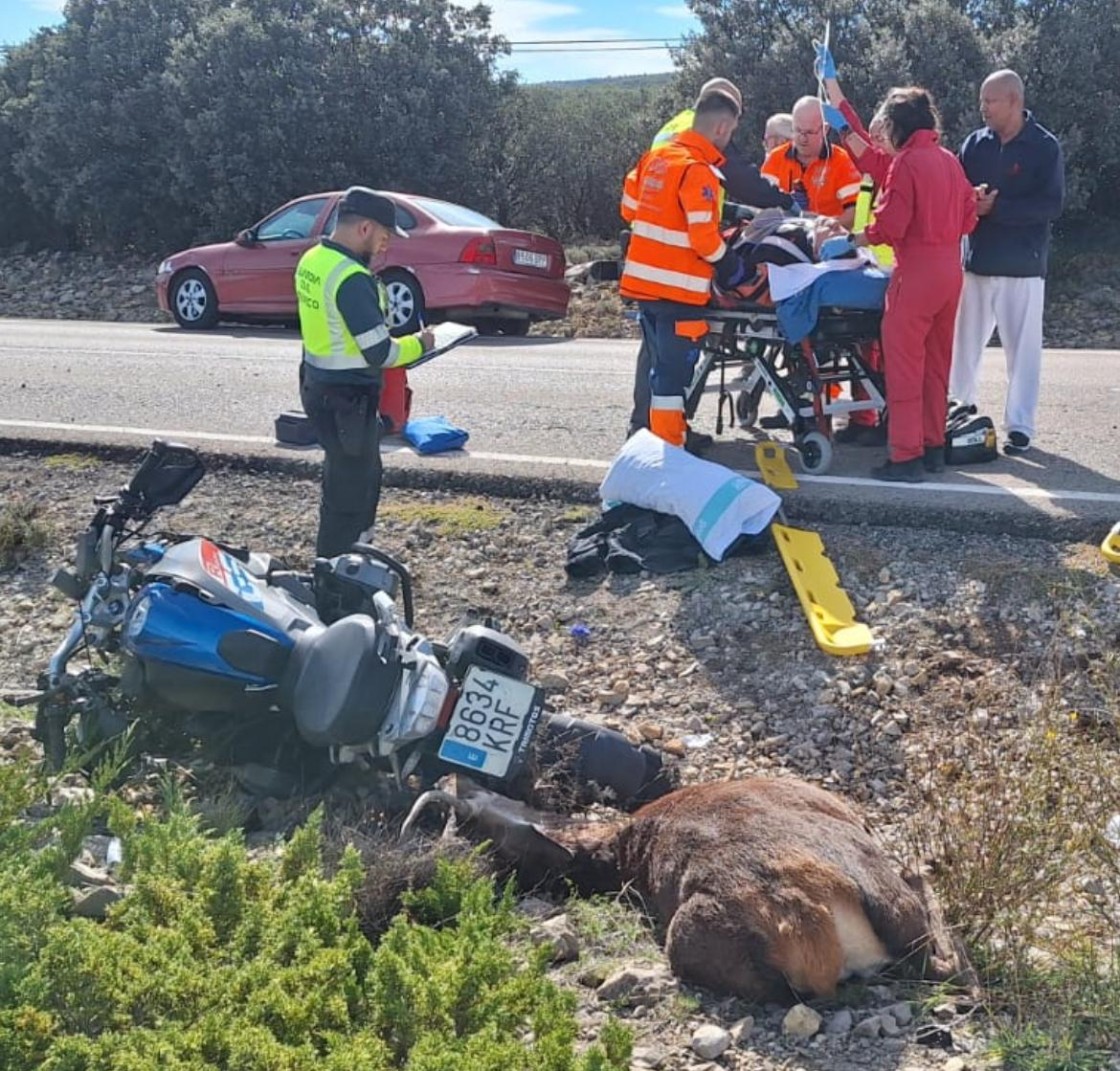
[(912, 471), (934, 459)]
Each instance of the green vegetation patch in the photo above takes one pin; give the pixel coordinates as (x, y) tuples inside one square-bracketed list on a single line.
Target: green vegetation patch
[(215, 959), (21, 531), (447, 518), (71, 462)]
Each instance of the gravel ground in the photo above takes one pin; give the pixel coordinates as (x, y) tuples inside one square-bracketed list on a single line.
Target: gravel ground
[(715, 666)]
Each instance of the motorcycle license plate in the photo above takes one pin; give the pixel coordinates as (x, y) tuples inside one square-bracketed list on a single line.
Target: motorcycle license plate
[(492, 724)]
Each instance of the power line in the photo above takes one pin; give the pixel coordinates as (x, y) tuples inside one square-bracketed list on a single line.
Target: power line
[(601, 48), (593, 40)]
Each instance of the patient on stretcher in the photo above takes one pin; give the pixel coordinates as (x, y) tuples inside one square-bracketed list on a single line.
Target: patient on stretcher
[(772, 238)]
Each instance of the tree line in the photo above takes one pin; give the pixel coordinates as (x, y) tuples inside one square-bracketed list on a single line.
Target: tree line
[(150, 125)]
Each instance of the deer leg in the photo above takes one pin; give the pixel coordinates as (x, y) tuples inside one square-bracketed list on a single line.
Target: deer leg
[(718, 944)]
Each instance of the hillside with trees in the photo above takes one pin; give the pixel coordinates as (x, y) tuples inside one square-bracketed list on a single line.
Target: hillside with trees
[(148, 127)]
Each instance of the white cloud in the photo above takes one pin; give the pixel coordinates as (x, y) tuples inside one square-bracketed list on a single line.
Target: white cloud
[(535, 20)]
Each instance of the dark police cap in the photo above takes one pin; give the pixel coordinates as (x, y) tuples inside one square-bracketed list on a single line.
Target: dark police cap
[(362, 201)]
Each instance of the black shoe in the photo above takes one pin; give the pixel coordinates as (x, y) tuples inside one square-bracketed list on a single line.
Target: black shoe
[(934, 459), (850, 434), (1016, 444), (912, 471), (696, 442), (771, 423)]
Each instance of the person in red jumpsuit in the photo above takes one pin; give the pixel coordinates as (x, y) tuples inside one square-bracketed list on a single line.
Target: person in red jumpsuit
[(927, 206)]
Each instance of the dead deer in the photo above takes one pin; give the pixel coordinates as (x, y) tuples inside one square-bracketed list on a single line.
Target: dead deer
[(759, 886)]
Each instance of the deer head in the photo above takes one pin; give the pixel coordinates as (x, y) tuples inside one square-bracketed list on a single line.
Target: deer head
[(760, 887)]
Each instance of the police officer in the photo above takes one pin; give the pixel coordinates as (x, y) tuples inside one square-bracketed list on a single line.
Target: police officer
[(342, 317)]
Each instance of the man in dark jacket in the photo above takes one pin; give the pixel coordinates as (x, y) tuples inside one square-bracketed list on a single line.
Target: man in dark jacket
[(1016, 166)]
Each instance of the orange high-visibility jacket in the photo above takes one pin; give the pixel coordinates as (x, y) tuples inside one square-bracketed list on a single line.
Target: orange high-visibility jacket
[(672, 202)]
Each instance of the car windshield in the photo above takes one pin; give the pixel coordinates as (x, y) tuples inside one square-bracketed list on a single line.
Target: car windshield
[(456, 215)]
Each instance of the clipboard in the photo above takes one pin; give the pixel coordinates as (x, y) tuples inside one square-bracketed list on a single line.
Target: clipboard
[(446, 336)]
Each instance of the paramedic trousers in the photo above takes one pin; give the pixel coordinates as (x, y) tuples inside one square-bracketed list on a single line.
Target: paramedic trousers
[(672, 333), (920, 312), (346, 421), (1013, 305), (639, 415)]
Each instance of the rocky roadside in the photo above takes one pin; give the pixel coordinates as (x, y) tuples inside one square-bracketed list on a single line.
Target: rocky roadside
[(717, 668), (1083, 300)]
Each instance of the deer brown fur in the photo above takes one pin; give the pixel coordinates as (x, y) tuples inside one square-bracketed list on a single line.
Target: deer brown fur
[(759, 886)]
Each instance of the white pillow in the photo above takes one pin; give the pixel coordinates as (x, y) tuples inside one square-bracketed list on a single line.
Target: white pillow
[(717, 504)]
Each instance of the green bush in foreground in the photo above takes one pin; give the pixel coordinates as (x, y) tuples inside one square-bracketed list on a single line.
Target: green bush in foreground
[(217, 960)]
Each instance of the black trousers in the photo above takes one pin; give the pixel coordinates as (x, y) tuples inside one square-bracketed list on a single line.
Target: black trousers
[(346, 421), (639, 417)]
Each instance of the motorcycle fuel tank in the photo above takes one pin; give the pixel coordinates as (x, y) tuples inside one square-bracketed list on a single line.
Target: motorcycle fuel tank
[(205, 633)]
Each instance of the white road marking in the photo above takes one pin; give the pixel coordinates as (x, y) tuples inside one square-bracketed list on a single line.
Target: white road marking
[(1025, 493)]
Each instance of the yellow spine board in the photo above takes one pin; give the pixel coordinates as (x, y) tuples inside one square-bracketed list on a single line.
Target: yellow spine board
[(770, 460), (829, 611), (1110, 548)]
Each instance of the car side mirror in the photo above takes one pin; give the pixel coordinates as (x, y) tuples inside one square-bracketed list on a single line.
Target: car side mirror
[(246, 237)]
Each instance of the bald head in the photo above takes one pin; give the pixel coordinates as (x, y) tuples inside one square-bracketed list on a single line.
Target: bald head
[(808, 129), (1002, 97)]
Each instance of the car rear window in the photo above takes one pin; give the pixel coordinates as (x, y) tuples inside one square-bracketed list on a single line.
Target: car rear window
[(457, 215)]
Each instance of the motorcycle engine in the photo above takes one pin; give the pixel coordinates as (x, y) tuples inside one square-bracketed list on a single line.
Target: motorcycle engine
[(347, 584)]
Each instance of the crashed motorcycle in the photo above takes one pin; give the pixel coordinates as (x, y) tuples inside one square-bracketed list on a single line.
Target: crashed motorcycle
[(299, 674)]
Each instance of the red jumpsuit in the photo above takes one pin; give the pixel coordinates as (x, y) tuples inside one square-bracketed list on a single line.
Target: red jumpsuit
[(928, 205)]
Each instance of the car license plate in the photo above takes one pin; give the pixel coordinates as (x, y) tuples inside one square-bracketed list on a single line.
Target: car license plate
[(528, 259), (492, 724)]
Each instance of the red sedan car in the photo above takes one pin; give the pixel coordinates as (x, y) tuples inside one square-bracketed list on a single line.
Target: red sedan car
[(455, 264)]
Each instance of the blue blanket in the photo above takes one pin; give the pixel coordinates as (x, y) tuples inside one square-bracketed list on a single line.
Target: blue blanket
[(861, 288)]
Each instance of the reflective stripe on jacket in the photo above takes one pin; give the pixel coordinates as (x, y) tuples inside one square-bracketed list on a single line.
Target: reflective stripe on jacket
[(672, 202)]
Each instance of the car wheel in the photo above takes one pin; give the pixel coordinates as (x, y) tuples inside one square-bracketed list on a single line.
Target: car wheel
[(406, 302), (488, 325), (193, 301), (515, 327)]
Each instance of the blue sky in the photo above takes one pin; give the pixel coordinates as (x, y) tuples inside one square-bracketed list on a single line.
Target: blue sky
[(518, 20)]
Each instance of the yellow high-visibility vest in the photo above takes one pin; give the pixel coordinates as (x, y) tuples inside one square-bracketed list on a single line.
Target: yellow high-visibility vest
[(865, 217)]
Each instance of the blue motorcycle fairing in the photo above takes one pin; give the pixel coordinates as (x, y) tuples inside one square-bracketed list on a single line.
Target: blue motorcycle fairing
[(174, 629), (222, 580)]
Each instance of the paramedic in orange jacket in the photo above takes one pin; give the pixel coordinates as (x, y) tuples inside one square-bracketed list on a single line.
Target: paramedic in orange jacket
[(928, 205), (672, 202)]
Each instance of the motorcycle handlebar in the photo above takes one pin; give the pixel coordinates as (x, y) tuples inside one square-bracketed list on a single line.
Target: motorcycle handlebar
[(398, 568)]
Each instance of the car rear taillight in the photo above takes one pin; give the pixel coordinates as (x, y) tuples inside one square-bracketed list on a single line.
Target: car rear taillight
[(479, 250)]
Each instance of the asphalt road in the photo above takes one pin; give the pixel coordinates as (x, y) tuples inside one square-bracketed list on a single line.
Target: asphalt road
[(539, 409)]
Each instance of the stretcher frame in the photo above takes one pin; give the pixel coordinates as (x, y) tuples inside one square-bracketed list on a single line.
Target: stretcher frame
[(803, 378)]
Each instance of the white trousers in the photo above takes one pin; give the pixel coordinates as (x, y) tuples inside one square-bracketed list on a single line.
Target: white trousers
[(1014, 306)]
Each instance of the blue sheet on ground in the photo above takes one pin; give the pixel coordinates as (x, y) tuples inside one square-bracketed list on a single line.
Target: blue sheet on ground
[(863, 288)]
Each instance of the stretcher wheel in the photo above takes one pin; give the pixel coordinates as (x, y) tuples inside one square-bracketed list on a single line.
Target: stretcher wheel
[(816, 452), (746, 409)]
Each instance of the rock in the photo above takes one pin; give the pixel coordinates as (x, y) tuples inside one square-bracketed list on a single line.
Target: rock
[(710, 1042), (559, 933), (94, 903), (840, 1023), (637, 985), (82, 874), (890, 1028), (901, 1013), (741, 1029), (675, 747), (593, 975), (801, 1022), (957, 1063), (871, 1027), (554, 682), (649, 1056), (649, 731)]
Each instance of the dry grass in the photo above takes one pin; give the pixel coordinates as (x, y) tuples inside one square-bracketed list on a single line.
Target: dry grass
[(1012, 829), (21, 532), (455, 518)]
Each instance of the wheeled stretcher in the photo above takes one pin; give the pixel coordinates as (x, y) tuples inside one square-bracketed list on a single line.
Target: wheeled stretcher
[(806, 379)]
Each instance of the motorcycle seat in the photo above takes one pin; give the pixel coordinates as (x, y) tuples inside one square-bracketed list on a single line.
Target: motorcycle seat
[(342, 680)]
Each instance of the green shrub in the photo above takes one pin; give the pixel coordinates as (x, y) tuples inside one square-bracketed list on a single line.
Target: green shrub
[(216, 959)]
